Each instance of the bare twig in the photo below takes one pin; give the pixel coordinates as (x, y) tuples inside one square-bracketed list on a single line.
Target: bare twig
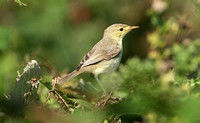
[(52, 90), (57, 96), (60, 99), (108, 97)]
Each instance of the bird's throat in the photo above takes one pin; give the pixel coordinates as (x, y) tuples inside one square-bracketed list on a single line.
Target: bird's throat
[(120, 42)]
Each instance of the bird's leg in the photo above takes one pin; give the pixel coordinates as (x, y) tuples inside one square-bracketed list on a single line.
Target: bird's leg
[(96, 77)]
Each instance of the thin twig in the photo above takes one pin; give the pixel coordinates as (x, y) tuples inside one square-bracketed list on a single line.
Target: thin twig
[(61, 98), (108, 97), (52, 90), (48, 98), (56, 94)]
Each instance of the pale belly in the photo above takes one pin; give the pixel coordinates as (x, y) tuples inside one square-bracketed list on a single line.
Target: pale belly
[(107, 65)]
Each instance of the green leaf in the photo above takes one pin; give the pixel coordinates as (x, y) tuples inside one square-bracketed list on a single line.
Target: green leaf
[(83, 103), (47, 85), (25, 88), (20, 3)]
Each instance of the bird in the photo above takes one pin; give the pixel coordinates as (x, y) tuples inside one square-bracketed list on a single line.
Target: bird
[(106, 54)]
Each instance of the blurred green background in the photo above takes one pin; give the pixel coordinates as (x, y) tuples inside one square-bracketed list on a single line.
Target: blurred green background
[(160, 69)]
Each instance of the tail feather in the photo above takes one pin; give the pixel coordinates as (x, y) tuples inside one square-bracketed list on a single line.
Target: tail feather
[(70, 76)]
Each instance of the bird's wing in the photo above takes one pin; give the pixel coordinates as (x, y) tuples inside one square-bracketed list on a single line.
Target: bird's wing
[(98, 54)]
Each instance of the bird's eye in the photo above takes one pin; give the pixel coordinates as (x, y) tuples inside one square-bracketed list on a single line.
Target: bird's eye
[(121, 29)]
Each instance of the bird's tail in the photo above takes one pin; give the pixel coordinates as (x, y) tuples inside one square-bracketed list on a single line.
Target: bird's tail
[(70, 76)]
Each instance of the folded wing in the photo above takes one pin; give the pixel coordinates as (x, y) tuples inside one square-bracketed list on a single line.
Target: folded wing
[(99, 53)]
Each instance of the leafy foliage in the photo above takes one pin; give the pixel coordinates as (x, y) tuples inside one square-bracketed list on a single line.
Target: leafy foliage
[(24, 91), (20, 3), (157, 81)]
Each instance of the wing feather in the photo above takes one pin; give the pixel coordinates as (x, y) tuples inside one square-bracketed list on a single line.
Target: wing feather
[(97, 54)]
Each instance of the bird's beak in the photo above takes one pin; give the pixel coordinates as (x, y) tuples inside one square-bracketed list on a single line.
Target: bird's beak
[(132, 27)]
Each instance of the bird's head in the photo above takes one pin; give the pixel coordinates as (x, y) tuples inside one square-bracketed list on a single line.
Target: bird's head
[(118, 30)]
